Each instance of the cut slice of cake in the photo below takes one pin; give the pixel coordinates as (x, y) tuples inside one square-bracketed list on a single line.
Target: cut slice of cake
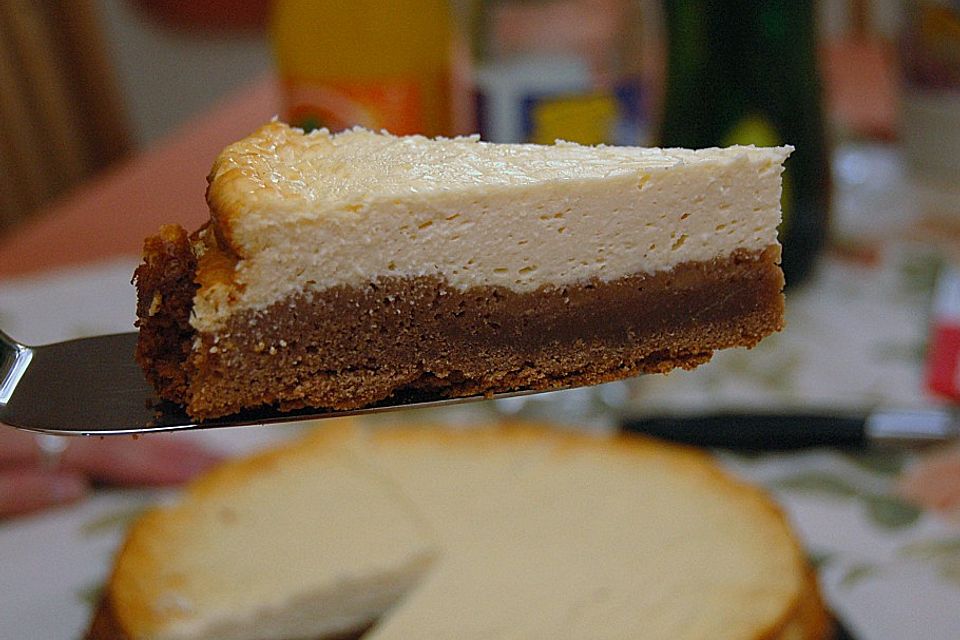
[(304, 542), (530, 533), (340, 270)]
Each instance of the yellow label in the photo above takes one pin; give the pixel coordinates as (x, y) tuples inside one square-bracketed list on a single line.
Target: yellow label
[(585, 119), (755, 129)]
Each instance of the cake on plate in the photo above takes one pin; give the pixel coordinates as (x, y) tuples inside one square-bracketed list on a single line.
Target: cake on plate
[(505, 531), (338, 271)]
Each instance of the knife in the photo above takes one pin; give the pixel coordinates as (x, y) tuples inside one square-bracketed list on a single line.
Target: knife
[(783, 431)]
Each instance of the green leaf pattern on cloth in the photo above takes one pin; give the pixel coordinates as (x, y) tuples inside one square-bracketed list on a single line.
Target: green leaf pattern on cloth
[(817, 482), (890, 512), (857, 573), (885, 511), (887, 462), (90, 594)]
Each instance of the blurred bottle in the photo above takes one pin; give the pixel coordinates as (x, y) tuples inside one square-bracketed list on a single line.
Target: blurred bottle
[(549, 69), (746, 73), (382, 64), (930, 106)]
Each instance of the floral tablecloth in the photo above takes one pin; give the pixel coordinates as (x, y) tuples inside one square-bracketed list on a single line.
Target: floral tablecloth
[(889, 568)]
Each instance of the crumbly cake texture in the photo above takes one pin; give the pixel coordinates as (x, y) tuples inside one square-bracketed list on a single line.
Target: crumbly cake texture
[(338, 271), (527, 532)]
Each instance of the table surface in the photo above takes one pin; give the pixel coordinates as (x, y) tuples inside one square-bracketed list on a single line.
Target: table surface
[(855, 338)]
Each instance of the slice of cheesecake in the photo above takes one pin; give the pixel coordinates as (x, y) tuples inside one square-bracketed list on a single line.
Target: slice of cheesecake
[(526, 533), (339, 270)]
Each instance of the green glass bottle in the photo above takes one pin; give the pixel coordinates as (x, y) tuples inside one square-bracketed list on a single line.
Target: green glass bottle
[(746, 73)]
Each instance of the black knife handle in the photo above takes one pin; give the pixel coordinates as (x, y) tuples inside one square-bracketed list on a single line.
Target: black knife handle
[(754, 431)]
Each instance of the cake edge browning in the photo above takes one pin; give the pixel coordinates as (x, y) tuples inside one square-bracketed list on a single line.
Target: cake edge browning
[(165, 290), (105, 625), (349, 347)]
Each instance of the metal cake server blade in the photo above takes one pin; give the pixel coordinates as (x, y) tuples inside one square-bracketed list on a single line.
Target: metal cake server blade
[(93, 386)]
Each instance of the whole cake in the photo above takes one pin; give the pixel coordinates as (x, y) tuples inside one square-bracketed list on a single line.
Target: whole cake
[(496, 532), (340, 270)]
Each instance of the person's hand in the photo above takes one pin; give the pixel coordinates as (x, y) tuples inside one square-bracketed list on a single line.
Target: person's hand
[(27, 483), (934, 482)]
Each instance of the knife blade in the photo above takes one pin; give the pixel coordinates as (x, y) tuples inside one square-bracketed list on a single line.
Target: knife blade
[(782, 431)]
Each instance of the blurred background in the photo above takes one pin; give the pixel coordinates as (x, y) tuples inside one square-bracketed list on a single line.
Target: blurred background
[(89, 83), (99, 80), (111, 112)]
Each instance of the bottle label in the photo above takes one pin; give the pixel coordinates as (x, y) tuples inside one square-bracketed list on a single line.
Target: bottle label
[(587, 119), (392, 104), (757, 130), (543, 99)]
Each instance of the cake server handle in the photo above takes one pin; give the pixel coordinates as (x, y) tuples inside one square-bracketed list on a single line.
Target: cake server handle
[(14, 359)]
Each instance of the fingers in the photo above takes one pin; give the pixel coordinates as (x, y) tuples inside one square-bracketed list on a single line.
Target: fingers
[(161, 459), (26, 485), (23, 489), (934, 483), (17, 447)]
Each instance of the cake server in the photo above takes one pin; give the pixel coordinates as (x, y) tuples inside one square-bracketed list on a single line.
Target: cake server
[(93, 386), (799, 430)]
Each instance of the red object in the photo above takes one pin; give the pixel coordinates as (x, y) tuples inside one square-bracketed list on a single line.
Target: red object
[(943, 361), (942, 375)]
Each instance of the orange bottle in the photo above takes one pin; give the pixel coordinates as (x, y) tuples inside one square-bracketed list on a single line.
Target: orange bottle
[(382, 64)]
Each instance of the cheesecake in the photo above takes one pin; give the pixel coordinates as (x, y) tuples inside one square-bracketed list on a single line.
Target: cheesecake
[(255, 549), (342, 270), (500, 531)]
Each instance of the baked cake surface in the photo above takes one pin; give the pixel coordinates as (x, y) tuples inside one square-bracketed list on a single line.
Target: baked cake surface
[(526, 532), (338, 270), (255, 549)]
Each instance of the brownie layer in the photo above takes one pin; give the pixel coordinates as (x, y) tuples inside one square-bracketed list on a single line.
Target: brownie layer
[(348, 347)]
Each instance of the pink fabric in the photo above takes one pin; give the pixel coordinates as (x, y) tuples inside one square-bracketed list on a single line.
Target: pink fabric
[(112, 214)]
